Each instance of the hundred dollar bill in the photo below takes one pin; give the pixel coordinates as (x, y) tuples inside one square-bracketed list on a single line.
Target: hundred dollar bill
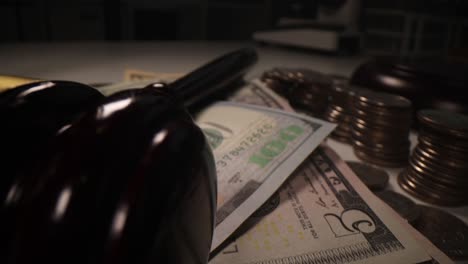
[(257, 93), (255, 150), (323, 214)]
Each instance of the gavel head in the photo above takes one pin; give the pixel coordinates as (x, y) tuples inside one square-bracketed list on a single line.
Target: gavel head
[(132, 180), (31, 115)]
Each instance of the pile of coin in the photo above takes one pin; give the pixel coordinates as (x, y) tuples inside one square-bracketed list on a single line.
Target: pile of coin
[(280, 79), (380, 128), (306, 90), (339, 108), (438, 167)]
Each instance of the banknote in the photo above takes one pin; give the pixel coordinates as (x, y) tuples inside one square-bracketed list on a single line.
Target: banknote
[(140, 75), (138, 79), (255, 149), (255, 92), (125, 85), (323, 214)]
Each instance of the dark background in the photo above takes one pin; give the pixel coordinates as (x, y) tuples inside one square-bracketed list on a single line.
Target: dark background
[(421, 26), (57, 20)]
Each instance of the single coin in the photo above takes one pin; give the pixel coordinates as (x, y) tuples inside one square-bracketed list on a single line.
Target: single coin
[(341, 94), (434, 136), (340, 91), (276, 74), (398, 163), (414, 186), (442, 163), (343, 119), (415, 190), (445, 231), (307, 95), (380, 119), (445, 122), (381, 99), (376, 137), (300, 93), (376, 144), (383, 123), (430, 177), (404, 206), (426, 181), (378, 129), (297, 82), (281, 73), (344, 127), (372, 112), (449, 158), (353, 90), (276, 86), (338, 79), (337, 108), (342, 130), (381, 137), (317, 103), (313, 77), (438, 174), (397, 149), (409, 187), (343, 139), (374, 178), (395, 158), (334, 114)]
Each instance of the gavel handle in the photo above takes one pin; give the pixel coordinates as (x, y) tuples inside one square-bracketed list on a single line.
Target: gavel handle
[(200, 85)]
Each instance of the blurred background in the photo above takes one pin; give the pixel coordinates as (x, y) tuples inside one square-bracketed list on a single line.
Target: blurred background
[(401, 27)]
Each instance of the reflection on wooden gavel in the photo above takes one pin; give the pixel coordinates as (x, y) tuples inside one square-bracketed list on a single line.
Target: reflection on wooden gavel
[(127, 178)]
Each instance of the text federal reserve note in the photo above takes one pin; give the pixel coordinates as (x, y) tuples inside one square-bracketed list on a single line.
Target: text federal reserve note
[(255, 149)]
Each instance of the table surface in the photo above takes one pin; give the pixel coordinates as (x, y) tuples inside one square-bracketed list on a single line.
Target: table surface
[(106, 62)]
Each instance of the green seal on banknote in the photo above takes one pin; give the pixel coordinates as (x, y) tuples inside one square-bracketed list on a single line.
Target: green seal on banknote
[(214, 137)]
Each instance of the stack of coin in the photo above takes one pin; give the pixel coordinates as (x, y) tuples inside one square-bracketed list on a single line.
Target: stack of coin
[(338, 79), (311, 94), (306, 90), (339, 108), (438, 167), (280, 79), (380, 128), (283, 80)]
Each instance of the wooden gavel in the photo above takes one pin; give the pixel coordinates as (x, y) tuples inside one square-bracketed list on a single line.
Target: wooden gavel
[(127, 178)]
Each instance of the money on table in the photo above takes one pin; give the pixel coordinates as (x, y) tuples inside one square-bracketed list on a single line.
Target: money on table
[(255, 149)]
